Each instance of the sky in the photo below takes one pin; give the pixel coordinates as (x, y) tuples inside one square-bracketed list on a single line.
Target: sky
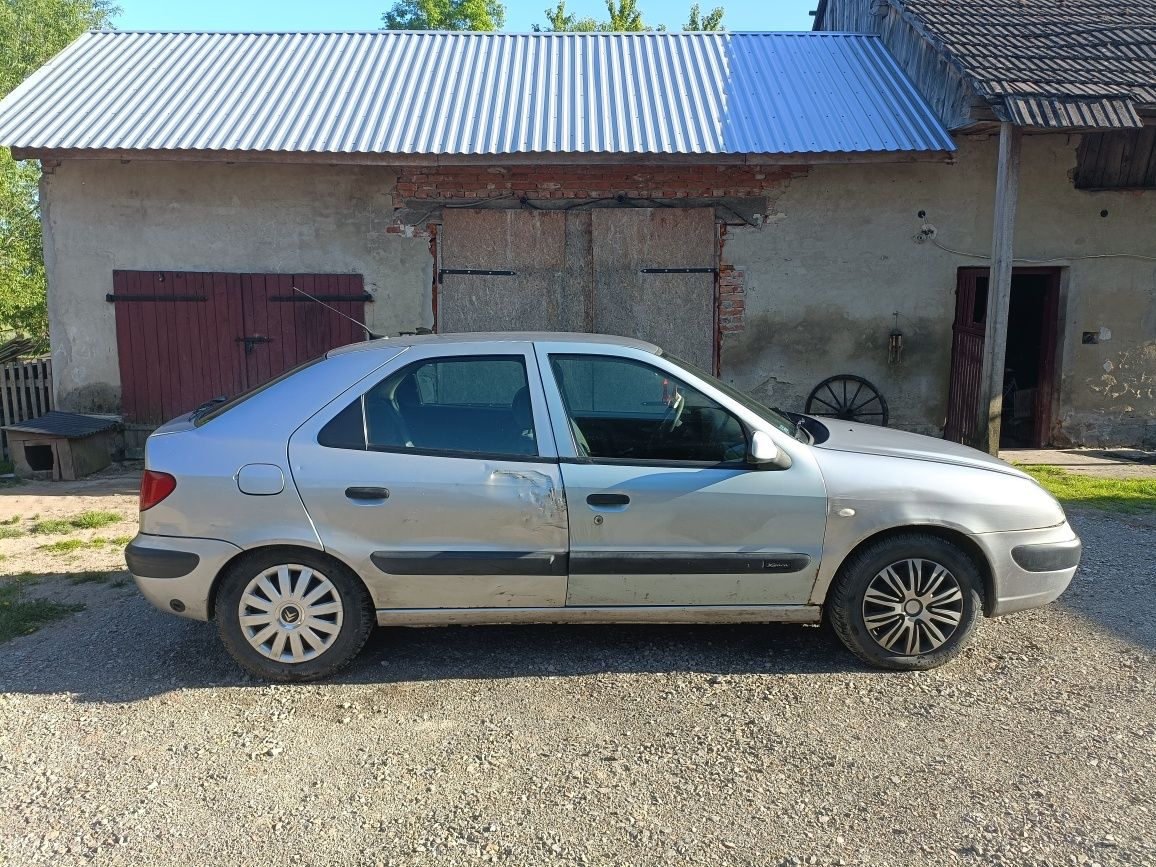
[(366, 14)]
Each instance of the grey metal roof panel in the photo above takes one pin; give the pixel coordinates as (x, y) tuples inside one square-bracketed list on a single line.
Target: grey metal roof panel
[(65, 424), (433, 93), (1050, 63)]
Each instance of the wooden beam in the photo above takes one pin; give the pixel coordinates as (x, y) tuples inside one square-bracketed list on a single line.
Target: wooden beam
[(999, 287)]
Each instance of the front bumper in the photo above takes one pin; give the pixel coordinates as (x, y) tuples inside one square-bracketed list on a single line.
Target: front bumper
[(1030, 568), (176, 574)]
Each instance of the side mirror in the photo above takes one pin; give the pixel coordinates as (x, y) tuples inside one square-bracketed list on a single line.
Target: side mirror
[(762, 452)]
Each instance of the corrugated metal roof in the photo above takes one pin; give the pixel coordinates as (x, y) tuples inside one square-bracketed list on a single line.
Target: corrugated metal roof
[(1050, 63), (465, 94), (64, 424)]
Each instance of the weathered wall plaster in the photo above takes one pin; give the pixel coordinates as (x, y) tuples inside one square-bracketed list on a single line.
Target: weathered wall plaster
[(826, 272), (809, 293), (104, 215)]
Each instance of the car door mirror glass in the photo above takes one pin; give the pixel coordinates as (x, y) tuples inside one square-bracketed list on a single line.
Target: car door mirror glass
[(763, 452)]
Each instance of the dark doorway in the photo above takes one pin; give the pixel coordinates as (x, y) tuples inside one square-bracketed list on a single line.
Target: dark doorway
[(1029, 364)]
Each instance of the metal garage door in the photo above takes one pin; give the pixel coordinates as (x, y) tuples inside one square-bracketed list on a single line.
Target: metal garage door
[(185, 337), (638, 272)]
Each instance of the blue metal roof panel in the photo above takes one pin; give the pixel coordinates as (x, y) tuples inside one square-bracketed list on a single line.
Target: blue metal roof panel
[(432, 93)]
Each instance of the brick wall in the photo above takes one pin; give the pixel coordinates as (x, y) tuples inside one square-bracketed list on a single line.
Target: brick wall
[(592, 182)]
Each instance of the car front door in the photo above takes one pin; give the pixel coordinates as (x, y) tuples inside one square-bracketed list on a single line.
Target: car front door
[(663, 508), (438, 482)]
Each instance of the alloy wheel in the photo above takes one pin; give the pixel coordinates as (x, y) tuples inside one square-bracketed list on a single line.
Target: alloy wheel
[(290, 613), (913, 607)]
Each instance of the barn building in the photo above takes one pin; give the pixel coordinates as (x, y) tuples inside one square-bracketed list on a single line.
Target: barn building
[(780, 208)]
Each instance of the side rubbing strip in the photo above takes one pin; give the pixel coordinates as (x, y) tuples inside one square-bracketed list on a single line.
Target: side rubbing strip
[(686, 564), (470, 563)]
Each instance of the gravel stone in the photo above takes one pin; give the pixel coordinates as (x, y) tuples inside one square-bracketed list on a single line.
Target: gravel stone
[(127, 736)]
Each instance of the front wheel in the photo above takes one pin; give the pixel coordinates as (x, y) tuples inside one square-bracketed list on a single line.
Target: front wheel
[(907, 603), (292, 615)]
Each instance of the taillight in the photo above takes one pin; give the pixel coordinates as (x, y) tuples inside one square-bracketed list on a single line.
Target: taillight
[(154, 487)]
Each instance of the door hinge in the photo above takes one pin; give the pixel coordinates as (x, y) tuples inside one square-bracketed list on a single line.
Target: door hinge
[(120, 299), (678, 270), (474, 272)]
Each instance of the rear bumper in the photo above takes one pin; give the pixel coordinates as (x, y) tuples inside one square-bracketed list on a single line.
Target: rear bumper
[(1030, 568), (176, 574)]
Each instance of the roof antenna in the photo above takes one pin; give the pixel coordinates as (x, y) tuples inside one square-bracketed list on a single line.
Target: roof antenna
[(370, 335)]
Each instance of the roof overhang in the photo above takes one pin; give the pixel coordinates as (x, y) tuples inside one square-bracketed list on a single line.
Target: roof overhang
[(535, 159)]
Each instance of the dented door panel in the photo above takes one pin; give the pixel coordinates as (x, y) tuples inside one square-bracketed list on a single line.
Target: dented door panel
[(452, 533), (441, 530)]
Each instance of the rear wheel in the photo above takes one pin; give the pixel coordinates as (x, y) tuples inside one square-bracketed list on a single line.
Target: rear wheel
[(292, 615), (907, 603)]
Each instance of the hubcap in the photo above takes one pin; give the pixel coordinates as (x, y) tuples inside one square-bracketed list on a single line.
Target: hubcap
[(913, 607), (290, 613)]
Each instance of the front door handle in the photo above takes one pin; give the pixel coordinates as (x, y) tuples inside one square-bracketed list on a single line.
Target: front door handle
[(608, 500), (367, 493)]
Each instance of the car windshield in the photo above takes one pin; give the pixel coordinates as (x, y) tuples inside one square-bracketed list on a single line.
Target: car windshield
[(767, 414)]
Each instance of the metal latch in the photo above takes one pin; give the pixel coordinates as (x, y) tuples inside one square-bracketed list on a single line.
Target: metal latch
[(251, 342)]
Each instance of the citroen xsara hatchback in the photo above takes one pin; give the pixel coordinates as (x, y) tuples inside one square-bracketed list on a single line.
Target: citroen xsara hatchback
[(530, 478)]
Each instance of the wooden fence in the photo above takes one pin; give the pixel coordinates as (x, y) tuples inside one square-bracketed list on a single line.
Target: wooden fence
[(25, 393)]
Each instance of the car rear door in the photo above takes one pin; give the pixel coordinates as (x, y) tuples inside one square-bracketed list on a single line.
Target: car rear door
[(664, 510), (439, 482)]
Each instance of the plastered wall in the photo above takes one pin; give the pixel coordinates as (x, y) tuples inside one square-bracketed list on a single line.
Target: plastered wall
[(835, 260), (810, 293), (105, 215)]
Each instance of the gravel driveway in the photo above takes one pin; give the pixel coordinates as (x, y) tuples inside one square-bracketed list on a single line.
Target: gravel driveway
[(127, 737)]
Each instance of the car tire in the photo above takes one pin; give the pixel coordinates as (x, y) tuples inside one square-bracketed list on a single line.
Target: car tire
[(292, 615), (906, 603)]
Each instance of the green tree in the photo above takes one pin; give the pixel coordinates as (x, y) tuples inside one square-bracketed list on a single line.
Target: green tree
[(31, 32), (445, 15), (711, 21), (559, 21), (623, 16)]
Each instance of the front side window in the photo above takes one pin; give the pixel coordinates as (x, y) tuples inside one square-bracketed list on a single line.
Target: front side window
[(621, 409), (459, 405)]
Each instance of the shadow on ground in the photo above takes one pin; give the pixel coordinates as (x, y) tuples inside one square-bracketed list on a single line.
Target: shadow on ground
[(129, 651), (120, 649)]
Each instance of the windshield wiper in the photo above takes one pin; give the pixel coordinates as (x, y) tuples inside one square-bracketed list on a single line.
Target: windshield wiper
[(797, 419)]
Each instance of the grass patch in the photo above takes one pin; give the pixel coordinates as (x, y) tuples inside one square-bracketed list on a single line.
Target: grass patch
[(64, 546), (20, 616), (91, 520), (15, 519), (52, 525), (1131, 496), (120, 541), (10, 532), (94, 520)]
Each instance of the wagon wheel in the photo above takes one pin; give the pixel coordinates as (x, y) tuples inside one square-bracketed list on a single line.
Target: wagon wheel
[(849, 398)]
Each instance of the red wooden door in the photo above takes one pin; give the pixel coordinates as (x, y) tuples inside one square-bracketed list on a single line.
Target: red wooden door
[(966, 355), (186, 337)]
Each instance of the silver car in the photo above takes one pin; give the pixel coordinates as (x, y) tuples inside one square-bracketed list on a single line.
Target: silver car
[(556, 478)]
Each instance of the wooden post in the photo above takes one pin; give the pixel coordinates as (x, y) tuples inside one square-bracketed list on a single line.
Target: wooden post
[(999, 287)]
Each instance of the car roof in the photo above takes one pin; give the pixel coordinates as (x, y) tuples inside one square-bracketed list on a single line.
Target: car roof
[(498, 337)]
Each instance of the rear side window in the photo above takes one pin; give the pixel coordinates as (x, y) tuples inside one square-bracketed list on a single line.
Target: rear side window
[(471, 405), (221, 405)]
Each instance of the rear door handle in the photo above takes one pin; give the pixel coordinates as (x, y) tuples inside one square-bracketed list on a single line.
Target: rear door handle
[(367, 493), (608, 500)]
